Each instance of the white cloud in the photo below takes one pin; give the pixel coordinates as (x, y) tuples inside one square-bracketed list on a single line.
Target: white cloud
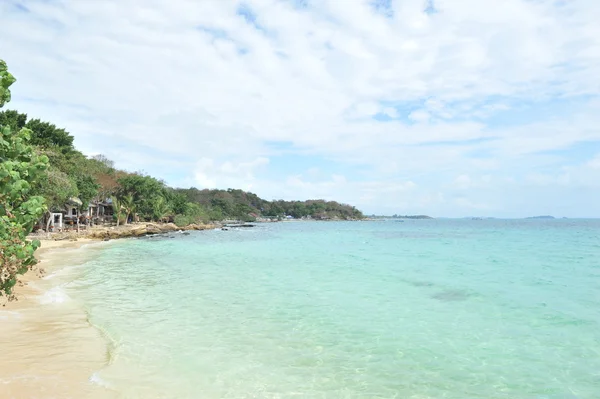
[(462, 182), (339, 188), (470, 205), (193, 84), (419, 116), (595, 162), (391, 112), (210, 174)]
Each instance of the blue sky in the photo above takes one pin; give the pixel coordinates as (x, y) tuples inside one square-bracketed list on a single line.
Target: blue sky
[(450, 108)]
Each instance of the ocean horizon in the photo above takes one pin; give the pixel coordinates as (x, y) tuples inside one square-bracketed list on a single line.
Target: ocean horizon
[(427, 309)]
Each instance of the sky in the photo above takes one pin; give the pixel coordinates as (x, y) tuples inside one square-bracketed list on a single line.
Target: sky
[(441, 107)]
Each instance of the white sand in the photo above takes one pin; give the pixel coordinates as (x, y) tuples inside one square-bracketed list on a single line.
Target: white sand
[(49, 349)]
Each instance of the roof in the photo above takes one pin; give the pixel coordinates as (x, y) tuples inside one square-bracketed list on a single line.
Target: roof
[(74, 201)]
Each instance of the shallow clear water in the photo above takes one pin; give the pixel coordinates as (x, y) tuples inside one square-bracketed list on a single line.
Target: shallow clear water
[(422, 309)]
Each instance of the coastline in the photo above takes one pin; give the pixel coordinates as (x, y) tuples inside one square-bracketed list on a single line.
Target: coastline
[(49, 348)]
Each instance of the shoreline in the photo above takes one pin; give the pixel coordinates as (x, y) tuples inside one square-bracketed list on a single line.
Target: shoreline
[(50, 348), (25, 288)]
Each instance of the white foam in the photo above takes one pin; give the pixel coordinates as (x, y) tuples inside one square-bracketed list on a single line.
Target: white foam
[(54, 295), (50, 276), (95, 379), (63, 271)]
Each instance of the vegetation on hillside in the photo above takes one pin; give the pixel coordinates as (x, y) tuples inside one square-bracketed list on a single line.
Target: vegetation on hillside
[(137, 196), (242, 205), (72, 174)]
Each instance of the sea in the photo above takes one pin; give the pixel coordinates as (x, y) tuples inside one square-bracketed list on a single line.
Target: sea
[(419, 309)]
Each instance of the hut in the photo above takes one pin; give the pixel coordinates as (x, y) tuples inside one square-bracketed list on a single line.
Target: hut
[(100, 212)]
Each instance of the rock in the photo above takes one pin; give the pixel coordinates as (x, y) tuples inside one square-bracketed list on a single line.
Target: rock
[(136, 230), (141, 231), (153, 229), (186, 233), (169, 227)]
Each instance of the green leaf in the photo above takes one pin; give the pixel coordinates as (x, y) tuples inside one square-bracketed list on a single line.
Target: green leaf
[(20, 170)]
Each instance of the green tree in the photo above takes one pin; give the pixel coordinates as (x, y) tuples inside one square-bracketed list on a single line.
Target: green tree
[(177, 202), (102, 159), (56, 187), (20, 167), (160, 208), (128, 205), (87, 187), (194, 213), (144, 189), (117, 209), (13, 119), (223, 201), (47, 135)]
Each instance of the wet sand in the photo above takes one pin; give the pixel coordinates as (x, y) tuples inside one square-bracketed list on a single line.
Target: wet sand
[(48, 347)]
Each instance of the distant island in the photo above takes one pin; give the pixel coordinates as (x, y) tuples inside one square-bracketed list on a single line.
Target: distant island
[(541, 217)]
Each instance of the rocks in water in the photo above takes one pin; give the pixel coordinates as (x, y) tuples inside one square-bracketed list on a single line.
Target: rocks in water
[(239, 225), (195, 226), (169, 227), (142, 229), (155, 229)]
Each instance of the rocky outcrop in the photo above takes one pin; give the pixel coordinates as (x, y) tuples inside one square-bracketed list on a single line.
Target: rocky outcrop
[(195, 226), (140, 230)]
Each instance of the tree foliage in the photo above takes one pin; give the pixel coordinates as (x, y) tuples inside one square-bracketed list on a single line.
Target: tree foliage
[(20, 167), (13, 119), (118, 209), (56, 187), (128, 206), (242, 205), (145, 191), (160, 208), (47, 135)]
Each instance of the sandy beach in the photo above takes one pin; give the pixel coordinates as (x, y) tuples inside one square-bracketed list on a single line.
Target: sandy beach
[(49, 348)]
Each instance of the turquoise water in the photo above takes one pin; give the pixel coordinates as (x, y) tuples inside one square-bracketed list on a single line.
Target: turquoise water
[(451, 309)]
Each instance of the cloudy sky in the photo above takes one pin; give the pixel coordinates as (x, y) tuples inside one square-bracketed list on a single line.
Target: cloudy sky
[(444, 107)]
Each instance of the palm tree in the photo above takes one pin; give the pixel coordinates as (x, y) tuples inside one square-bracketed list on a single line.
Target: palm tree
[(117, 208), (128, 206), (160, 208)]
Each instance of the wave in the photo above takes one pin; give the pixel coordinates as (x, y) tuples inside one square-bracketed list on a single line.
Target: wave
[(63, 271), (97, 380), (54, 295)]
